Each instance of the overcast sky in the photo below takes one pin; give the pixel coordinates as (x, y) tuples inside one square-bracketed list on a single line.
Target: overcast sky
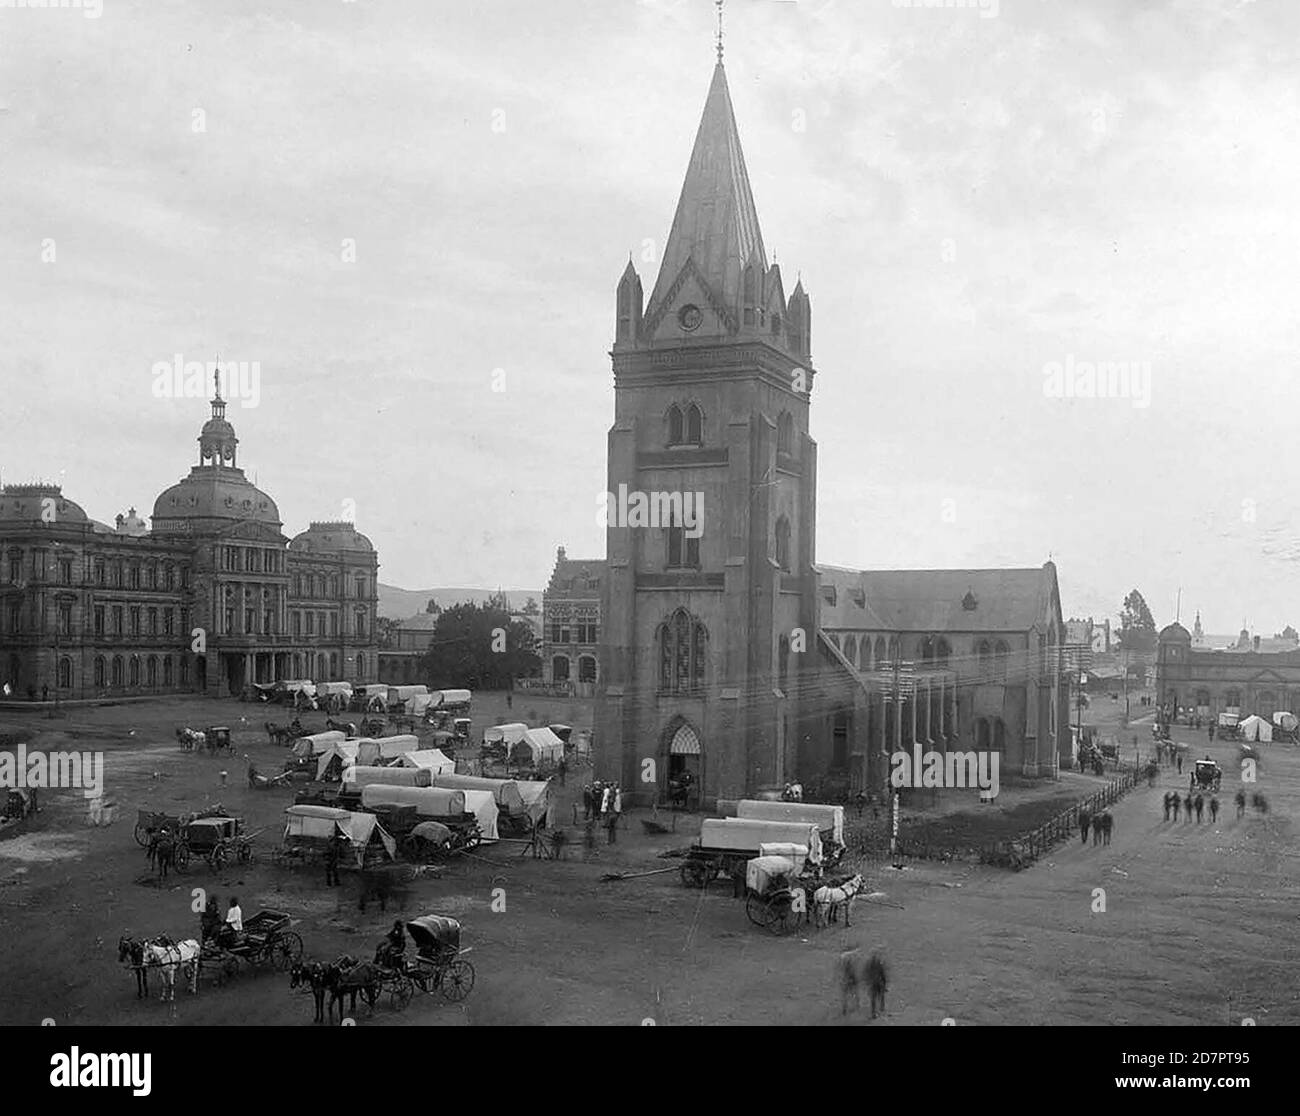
[(968, 199)]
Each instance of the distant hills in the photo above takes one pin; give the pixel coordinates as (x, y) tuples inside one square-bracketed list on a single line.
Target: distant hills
[(401, 604)]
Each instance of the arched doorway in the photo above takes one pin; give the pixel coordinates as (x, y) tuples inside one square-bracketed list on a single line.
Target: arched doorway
[(685, 759)]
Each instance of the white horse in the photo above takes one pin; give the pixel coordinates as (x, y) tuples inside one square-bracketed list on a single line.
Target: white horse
[(828, 901), (164, 955)]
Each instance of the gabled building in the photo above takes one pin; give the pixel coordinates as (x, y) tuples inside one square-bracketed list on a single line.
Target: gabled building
[(570, 624), (725, 649)]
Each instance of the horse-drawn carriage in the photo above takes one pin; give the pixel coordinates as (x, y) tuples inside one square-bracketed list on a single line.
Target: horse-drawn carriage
[(149, 822), (425, 840), (266, 937), (1206, 776), (217, 839), (439, 964), (770, 897)]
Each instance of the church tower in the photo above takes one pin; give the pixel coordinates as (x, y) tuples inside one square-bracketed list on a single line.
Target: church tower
[(704, 615)]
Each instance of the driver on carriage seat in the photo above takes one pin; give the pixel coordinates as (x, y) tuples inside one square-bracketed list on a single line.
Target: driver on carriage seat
[(390, 950)]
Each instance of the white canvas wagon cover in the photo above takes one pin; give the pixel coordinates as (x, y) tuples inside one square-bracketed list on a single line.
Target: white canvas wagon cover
[(740, 834), (346, 750), (826, 818), (445, 698), (505, 734), (762, 870), (371, 749), (1256, 728), (505, 791), (538, 745), (431, 759), (361, 775), (429, 802), (319, 741), (324, 821)]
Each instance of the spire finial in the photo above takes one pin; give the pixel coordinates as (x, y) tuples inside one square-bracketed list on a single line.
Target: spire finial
[(719, 4), (216, 379)]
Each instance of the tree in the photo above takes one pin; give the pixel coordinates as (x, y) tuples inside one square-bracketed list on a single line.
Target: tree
[(1137, 627), (432, 606), (478, 646), (385, 629), (531, 607)]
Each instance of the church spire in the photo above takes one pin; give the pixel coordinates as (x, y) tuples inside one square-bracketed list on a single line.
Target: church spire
[(716, 223)]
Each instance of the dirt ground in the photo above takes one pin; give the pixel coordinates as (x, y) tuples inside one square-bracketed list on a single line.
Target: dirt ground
[(1199, 925)]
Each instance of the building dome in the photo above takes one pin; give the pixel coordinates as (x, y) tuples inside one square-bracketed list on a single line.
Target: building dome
[(333, 537), (211, 493), (27, 503), (1175, 631)]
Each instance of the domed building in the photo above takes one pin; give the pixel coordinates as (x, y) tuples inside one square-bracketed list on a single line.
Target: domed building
[(211, 596)]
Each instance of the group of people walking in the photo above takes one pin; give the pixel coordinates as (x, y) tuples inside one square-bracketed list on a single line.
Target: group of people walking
[(1174, 804)]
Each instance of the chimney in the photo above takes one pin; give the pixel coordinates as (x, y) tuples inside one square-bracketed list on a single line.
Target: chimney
[(1256, 643)]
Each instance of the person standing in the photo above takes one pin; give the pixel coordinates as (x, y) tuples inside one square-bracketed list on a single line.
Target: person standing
[(210, 919), (332, 852), (611, 823), (1180, 763), (235, 916), (1187, 806), (1214, 810), (1200, 807)]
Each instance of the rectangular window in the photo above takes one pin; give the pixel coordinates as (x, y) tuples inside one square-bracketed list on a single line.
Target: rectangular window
[(334, 623), (65, 571), (185, 622), (361, 625), (99, 620), (268, 625), (65, 619), (135, 621), (169, 621), (119, 571), (99, 571), (555, 632), (135, 575), (169, 577), (248, 559), (151, 576), (16, 566), (153, 621), (311, 623), (38, 565), (297, 623), (15, 618), (117, 620), (321, 621), (250, 621), (230, 622)]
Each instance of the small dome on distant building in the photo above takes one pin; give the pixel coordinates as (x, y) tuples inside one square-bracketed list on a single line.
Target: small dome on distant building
[(1175, 632), (332, 537), (39, 503), (131, 524)]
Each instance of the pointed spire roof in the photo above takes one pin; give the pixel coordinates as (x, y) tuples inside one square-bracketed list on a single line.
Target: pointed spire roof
[(716, 224)]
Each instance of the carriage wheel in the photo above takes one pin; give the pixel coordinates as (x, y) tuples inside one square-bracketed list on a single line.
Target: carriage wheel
[(286, 950), (457, 980), (778, 918), (756, 910), (181, 855), (217, 859), (141, 835), (245, 853), (474, 839), (402, 991), (695, 873)]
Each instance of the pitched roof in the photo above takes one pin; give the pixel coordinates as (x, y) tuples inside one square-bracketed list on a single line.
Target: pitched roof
[(716, 224), (1012, 600), (567, 569)]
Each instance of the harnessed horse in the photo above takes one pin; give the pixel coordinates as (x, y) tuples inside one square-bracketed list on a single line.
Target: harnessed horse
[(164, 955), (828, 901)]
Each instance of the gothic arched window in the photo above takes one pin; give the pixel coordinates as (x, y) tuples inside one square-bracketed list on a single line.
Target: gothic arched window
[(674, 425), (694, 426), (984, 654), (851, 649), (880, 655), (1001, 653), (942, 651), (682, 651), (783, 543)]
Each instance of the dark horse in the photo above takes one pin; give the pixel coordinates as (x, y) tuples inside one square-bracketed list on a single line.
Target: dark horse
[(128, 949), (314, 975), (347, 977)]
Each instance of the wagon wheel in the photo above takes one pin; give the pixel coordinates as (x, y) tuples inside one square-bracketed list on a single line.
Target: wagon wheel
[(217, 858), (457, 980), (474, 839), (695, 873), (778, 918), (401, 992), (286, 949), (756, 910), (244, 854), (141, 835), (181, 855)]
